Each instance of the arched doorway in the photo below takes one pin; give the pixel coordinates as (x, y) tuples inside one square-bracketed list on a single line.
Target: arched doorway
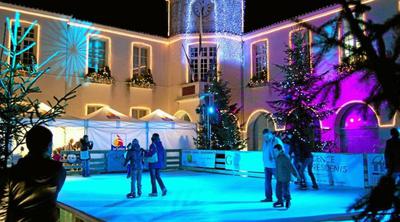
[(358, 129), (257, 123)]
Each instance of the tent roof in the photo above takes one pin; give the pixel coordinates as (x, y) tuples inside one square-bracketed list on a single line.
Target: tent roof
[(108, 114), (160, 116)]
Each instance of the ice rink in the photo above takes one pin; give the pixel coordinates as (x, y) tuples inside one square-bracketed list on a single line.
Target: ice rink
[(197, 196)]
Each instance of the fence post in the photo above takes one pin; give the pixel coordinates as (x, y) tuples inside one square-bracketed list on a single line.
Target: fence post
[(180, 159)]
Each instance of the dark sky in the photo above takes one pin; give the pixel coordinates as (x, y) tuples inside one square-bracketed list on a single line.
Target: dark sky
[(150, 16)]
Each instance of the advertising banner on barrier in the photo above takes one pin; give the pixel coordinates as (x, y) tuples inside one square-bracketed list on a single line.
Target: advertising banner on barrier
[(376, 168), (115, 161), (246, 161), (339, 169), (198, 158)]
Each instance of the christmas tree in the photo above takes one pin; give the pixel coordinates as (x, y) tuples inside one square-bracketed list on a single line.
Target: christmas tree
[(18, 110), (225, 134), (297, 91)]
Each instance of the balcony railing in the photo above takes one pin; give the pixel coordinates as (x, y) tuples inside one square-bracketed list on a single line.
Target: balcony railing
[(102, 76), (142, 78)]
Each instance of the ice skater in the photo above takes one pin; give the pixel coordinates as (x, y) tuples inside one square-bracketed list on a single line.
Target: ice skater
[(156, 158), (269, 142), (135, 156), (85, 145), (306, 161), (284, 170), (392, 155)]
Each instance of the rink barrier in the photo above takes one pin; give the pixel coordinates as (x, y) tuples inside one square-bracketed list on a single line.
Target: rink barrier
[(70, 214), (99, 162), (336, 169)]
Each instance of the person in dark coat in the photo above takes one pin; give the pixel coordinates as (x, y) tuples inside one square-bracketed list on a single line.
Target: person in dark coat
[(306, 161), (157, 148), (86, 145), (135, 156), (294, 154), (392, 155), (284, 170), (30, 189)]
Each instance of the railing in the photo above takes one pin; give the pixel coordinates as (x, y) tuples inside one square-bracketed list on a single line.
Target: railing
[(72, 162), (103, 161), (339, 169), (220, 167), (70, 214), (174, 159)]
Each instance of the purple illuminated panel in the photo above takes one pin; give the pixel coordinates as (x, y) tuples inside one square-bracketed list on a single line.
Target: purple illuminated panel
[(359, 131)]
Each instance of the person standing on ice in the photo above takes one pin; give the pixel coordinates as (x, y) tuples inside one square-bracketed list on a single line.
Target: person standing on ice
[(269, 141), (85, 145), (392, 155), (284, 170), (135, 157), (156, 158)]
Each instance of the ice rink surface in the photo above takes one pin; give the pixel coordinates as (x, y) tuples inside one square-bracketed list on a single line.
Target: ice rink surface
[(197, 196)]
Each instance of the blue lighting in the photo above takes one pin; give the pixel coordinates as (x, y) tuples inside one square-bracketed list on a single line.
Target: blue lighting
[(211, 110), (70, 42), (188, 198)]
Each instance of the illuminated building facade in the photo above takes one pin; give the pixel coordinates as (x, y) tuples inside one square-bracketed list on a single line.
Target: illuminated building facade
[(179, 68)]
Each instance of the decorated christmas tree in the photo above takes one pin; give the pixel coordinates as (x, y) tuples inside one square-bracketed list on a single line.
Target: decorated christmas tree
[(297, 91), (225, 134), (19, 111)]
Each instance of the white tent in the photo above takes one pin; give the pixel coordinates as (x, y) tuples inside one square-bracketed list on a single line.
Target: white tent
[(107, 114), (174, 133), (110, 129), (66, 128)]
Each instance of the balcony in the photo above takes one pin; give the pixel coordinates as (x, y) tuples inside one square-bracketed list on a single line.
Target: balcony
[(101, 76), (142, 78)]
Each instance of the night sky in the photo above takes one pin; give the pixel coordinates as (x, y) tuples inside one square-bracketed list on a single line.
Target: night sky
[(150, 16)]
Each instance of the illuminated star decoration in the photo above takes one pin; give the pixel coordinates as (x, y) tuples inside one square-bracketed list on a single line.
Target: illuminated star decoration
[(70, 42)]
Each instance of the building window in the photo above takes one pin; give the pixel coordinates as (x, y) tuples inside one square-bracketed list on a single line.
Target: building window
[(305, 35), (260, 61), (201, 62), (138, 113), (350, 41), (92, 108), (140, 59), (97, 54), (29, 56)]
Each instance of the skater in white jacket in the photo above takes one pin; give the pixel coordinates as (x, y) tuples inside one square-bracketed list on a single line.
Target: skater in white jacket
[(269, 141)]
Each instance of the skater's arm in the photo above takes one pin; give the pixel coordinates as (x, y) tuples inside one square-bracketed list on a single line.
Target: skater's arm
[(127, 158), (90, 145), (151, 151)]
